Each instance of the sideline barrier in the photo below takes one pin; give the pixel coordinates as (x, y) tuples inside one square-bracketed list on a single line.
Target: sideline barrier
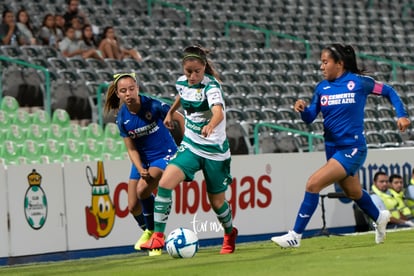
[(61, 211)]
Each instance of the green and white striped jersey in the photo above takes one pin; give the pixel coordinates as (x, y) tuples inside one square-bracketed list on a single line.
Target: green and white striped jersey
[(196, 101)]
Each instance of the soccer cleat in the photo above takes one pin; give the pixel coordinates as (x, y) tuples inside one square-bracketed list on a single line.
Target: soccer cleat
[(381, 226), (143, 239), (229, 242), (289, 240), (155, 242), (155, 252)]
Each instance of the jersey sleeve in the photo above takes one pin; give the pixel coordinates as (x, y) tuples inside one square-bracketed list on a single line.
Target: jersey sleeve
[(214, 95), (387, 91), (312, 110), (161, 108), (122, 131)]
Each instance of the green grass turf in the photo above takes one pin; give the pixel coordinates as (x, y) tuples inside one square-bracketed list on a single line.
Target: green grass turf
[(333, 255)]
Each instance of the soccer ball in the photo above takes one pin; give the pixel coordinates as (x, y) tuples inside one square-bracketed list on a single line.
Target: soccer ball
[(182, 243)]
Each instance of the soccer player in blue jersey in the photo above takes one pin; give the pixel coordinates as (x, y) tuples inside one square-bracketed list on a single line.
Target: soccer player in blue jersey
[(341, 98), (204, 147), (149, 143)]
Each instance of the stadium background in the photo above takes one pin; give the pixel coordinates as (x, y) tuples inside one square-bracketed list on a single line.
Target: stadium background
[(266, 51)]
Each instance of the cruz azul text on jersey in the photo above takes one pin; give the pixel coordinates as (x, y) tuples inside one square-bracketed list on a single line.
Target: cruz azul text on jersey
[(344, 98)]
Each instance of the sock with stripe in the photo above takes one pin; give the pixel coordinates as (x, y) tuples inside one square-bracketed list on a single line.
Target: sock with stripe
[(140, 219), (162, 208), (225, 217), (148, 211), (306, 210)]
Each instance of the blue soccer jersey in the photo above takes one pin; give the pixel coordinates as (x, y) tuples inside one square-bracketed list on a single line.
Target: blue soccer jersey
[(151, 138), (342, 103)]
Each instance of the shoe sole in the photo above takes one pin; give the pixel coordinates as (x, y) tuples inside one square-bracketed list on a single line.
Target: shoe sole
[(155, 252)]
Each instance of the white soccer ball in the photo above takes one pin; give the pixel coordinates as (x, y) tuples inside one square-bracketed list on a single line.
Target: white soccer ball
[(182, 243)]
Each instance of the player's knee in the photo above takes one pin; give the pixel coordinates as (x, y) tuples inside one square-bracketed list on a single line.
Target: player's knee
[(313, 186)]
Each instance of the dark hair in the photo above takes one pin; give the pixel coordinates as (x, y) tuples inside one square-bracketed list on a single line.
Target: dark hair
[(5, 12), (345, 53), (105, 30), (46, 17), (92, 41), (29, 22), (112, 101), (68, 26), (394, 176), (378, 174), (200, 53)]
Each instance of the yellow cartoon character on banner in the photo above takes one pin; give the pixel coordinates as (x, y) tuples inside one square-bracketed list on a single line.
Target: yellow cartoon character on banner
[(100, 216)]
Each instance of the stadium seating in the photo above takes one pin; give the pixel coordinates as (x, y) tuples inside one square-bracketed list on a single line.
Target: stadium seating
[(264, 77), (9, 104), (53, 149), (32, 151), (11, 153), (36, 133), (61, 117)]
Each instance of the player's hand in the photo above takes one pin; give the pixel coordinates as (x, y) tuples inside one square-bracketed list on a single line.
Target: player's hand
[(403, 123), (168, 121), (299, 105), (207, 130), (145, 174)]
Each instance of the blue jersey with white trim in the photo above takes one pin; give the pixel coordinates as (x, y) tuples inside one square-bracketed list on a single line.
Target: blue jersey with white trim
[(151, 137), (342, 102)]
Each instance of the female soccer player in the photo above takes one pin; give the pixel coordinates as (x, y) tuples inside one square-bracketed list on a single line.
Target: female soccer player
[(204, 147), (148, 141), (341, 98)]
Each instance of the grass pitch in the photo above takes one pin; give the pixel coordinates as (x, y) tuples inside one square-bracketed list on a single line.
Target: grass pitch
[(333, 255)]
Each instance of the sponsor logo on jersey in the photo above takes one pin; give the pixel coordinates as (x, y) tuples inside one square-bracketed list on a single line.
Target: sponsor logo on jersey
[(342, 98)]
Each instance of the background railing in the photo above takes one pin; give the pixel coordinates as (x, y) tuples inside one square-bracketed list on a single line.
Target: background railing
[(180, 8), (267, 33), (256, 137)]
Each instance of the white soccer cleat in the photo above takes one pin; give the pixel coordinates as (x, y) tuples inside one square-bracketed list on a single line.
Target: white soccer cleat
[(381, 226), (289, 240)]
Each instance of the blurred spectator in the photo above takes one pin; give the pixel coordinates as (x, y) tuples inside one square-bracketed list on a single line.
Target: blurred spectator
[(8, 30), (412, 177), (110, 47), (384, 200), (47, 32), (70, 46), (74, 11), (26, 28), (59, 27), (398, 192), (409, 193), (88, 41), (78, 26)]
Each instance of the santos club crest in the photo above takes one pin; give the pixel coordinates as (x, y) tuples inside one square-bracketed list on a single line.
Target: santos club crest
[(35, 202)]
